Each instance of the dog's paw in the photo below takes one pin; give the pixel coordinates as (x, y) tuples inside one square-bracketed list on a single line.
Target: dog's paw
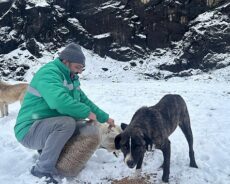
[(165, 179), (151, 147), (136, 174)]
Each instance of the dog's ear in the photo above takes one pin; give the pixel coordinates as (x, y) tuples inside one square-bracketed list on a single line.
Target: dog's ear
[(123, 126), (117, 141)]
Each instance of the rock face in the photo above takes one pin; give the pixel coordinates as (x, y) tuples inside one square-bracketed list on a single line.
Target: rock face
[(206, 45), (123, 30), (11, 69)]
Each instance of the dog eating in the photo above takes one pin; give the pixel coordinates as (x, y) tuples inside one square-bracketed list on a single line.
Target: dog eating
[(150, 128)]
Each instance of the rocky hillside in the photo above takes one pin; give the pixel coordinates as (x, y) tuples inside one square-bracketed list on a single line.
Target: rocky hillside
[(196, 32)]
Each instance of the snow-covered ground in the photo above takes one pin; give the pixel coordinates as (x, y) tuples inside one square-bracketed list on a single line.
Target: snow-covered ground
[(121, 93)]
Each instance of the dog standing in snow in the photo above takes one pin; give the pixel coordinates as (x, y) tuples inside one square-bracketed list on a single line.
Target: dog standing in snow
[(150, 128), (10, 93)]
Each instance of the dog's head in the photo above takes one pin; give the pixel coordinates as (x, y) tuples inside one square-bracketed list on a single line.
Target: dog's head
[(108, 136), (132, 144)]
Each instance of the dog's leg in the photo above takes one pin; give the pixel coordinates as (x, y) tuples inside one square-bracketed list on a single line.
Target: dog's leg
[(139, 167), (1, 109), (186, 129), (166, 149), (6, 112), (139, 163), (138, 170)]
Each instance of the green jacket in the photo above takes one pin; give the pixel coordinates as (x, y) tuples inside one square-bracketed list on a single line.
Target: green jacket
[(53, 93)]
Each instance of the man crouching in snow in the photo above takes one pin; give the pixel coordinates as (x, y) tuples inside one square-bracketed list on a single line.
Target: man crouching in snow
[(53, 108)]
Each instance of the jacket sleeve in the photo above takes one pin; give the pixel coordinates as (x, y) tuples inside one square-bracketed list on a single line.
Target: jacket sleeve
[(51, 88), (101, 115)]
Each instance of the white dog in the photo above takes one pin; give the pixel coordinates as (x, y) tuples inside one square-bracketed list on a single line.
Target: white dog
[(107, 137)]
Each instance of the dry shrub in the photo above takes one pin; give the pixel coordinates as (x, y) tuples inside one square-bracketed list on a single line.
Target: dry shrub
[(145, 178), (128, 180)]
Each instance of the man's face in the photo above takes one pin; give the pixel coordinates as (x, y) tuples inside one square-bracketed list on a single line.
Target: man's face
[(75, 68)]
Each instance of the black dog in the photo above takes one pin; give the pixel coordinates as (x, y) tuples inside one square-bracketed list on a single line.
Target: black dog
[(151, 126)]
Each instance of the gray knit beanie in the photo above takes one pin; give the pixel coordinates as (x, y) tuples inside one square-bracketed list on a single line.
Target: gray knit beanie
[(73, 54)]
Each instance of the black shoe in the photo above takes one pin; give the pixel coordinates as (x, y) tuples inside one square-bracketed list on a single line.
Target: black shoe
[(49, 177)]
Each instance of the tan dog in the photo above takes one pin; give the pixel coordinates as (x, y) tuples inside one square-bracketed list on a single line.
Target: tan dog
[(10, 93), (108, 136)]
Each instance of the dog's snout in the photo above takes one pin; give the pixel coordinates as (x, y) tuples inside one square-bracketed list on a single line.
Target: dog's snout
[(130, 164), (129, 161)]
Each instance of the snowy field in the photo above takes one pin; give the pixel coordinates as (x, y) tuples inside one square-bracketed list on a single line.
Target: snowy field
[(209, 107), (120, 91)]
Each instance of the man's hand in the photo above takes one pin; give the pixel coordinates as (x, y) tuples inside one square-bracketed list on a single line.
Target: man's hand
[(92, 116), (111, 123)]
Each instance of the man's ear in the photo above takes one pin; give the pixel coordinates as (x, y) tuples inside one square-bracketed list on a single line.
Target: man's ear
[(117, 141), (123, 126)]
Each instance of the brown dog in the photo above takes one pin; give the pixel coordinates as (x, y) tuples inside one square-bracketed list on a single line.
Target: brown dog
[(151, 127), (10, 93)]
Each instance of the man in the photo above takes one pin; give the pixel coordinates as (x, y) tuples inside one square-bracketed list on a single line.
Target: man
[(52, 107)]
